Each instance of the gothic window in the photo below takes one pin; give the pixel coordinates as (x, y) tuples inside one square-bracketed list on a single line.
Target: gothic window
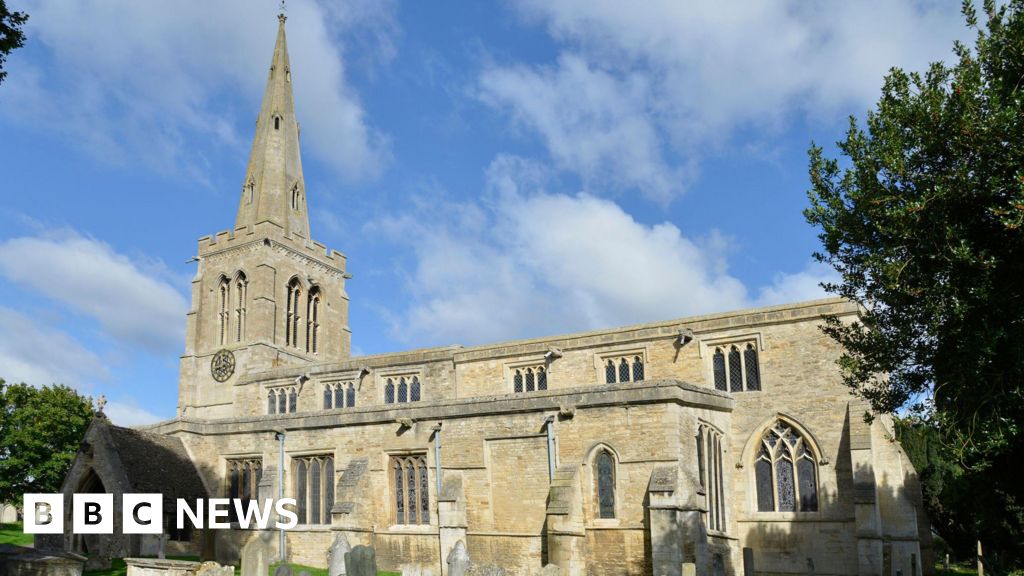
[(785, 472), (411, 489), (296, 197), (620, 369), (224, 297), (605, 484), (414, 390), (243, 480), (403, 391), (328, 397), (735, 367), (282, 400), (250, 191), (302, 489), (531, 383), (241, 287), (291, 327), (339, 391), (709, 466), (313, 321), (389, 392), (339, 395), (517, 381), (542, 378), (293, 399), (350, 395), (529, 378), (277, 122)]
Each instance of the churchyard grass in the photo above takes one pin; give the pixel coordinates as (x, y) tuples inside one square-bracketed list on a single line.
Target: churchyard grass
[(119, 568), (11, 534)]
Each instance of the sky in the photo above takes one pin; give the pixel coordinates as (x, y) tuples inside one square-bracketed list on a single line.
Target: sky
[(491, 170)]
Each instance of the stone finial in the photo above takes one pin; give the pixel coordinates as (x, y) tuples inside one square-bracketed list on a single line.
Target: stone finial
[(101, 402)]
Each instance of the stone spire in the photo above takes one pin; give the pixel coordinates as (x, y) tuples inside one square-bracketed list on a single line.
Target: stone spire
[(273, 189)]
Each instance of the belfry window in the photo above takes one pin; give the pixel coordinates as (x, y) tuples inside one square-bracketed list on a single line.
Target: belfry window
[(411, 489), (296, 197), (223, 316), (241, 287), (785, 472), (314, 489), (709, 469), (626, 368), (604, 481), (735, 367), (313, 321), (291, 327)]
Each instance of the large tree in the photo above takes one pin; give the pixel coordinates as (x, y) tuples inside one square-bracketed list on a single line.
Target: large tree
[(40, 431), (923, 220), (11, 35)]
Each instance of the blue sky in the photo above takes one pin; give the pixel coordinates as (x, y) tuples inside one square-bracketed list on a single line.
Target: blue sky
[(491, 170)]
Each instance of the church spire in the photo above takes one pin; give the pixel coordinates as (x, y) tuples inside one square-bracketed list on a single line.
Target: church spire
[(273, 189)]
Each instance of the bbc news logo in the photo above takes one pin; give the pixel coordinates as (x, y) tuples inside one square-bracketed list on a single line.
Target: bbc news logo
[(144, 513)]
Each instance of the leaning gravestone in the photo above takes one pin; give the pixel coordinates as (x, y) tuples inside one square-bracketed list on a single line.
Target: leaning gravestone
[(361, 561), (336, 555), (458, 560), (256, 556), (283, 570)]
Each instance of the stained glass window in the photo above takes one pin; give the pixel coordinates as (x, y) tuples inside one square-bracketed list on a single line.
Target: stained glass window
[(399, 493), (350, 396), (719, 369), (605, 485), (300, 498), (314, 492), (411, 489), (638, 369), (414, 390), (282, 402), (410, 483), (753, 371), (735, 371), (424, 494), (328, 488), (781, 485)]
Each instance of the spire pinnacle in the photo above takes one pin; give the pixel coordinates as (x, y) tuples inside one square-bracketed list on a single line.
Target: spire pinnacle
[(274, 189)]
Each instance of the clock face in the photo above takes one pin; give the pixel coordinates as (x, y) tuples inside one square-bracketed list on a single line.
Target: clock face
[(223, 365)]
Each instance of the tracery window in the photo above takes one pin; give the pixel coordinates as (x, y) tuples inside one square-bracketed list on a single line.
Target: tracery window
[(785, 472), (241, 287), (313, 321), (339, 395), (243, 479), (411, 489), (626, 368), (223, 316), (291, 326), (735, 367), (604, 481), (282, 400), (314, 488), (529, 379), (402, 389), (709, 468)]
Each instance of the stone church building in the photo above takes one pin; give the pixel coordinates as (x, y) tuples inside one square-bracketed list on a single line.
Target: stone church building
[(727, 440)]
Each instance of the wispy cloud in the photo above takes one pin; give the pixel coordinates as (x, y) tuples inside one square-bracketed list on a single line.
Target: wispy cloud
[(134, 306), (38, 354)]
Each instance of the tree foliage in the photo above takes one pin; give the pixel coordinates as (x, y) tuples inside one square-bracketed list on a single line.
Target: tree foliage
[(40, 431), (923, 220), (11, 34)]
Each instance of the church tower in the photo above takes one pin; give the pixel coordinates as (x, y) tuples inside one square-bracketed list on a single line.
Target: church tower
[(265, 294)]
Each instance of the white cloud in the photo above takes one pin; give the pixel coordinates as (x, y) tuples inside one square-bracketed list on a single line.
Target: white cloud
[(528, 262), (669, 79), (34, 353), (799, 286), (128, 413), (133, 304), (144, 81)]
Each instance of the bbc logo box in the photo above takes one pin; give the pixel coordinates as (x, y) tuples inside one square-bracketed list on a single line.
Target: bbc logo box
[(93, 514)]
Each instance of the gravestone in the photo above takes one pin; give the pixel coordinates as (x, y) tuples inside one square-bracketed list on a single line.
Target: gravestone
[(361, 561), (214, 569), (256, 555), (283, 570), (336, 555), (550, 570), (458, 560), (304, 573)]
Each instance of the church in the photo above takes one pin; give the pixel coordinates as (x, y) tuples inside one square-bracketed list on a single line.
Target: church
[(726, 441)]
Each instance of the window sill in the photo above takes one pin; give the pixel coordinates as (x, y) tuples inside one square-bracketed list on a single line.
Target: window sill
[(784, 516), (411, 529)]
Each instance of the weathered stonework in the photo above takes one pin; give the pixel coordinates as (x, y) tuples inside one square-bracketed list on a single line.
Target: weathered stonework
[(519, 461)]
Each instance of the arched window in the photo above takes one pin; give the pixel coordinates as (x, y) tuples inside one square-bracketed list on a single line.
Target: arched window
[(709, 468), (623, 370), (313, 321), (609, 372), (293, 399), (785, 472), (753, 371), (735, 371), (638, 369), (517, 381), (282, 402), (328, 397), (414, 389), (277, 122), (296, 197), (389, 392), (542, 379), (719, 368), (291, 328), (241, 287), (250, 190), (350, 396), (403, 391), (411, 489), (224, 297), (271, 402), (530, 382), (300, 498), (328, 488), (604, 466), (339, 393)]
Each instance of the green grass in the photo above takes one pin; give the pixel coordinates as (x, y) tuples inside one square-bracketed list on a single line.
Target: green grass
[(956, 569), (119, 568), (12, 534)]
